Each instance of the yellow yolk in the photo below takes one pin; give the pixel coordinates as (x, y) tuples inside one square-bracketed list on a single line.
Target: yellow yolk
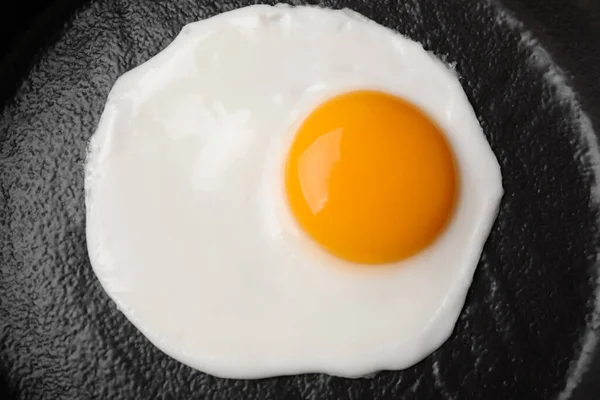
[(371, 178)]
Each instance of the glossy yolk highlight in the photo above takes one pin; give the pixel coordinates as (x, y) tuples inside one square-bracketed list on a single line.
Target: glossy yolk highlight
[(371, 178)]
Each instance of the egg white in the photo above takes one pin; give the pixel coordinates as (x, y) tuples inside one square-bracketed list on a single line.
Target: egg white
[(187, 225)]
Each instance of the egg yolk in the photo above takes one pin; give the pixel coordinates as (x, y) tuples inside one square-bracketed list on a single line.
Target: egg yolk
[(371, 178)]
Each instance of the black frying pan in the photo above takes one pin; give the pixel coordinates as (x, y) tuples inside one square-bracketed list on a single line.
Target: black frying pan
[(529, 326)]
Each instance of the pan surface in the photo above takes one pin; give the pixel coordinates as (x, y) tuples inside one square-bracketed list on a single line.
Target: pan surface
[(529, 326)]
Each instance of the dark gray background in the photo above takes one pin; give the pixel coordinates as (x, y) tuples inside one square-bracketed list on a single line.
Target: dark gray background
[(530, 303)]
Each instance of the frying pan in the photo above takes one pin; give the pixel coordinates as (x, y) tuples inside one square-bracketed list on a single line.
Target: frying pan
[(529, 328)]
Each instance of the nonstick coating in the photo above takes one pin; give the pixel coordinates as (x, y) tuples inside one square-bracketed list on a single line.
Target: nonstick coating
[(528, 324)]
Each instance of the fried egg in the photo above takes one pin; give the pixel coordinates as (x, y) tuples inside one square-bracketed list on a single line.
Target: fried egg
[(286, 190)]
